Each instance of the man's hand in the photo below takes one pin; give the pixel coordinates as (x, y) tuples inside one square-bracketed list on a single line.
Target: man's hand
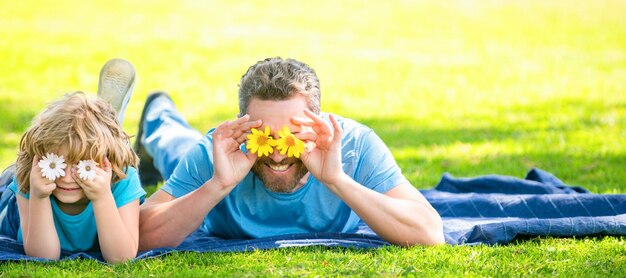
[(100, 185), (392, 215), (40, 187), (323, 155), (231, 165)]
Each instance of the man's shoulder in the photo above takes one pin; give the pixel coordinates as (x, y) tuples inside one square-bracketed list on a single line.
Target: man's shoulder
[(349, 125), (356, 136), (205, 142)]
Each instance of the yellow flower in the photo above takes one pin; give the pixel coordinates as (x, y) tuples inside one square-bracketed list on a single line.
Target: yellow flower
[(289, 143), (261, 142)]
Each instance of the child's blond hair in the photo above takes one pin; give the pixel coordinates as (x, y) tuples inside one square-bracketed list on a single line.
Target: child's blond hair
[(86, 126)]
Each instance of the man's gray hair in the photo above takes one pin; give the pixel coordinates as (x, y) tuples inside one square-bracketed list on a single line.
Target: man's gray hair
[(279, 79)]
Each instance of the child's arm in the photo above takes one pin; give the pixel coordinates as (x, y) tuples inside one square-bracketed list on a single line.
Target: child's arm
[(118, 228), (38, 231)]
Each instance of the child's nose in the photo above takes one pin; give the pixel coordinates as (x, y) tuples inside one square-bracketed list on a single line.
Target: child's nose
[(68, 174)]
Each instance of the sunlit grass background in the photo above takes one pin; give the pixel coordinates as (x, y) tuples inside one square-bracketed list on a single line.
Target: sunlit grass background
[(466, 87)]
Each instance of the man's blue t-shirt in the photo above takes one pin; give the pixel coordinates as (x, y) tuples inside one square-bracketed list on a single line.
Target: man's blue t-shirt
[(252, 211), (79, 232)]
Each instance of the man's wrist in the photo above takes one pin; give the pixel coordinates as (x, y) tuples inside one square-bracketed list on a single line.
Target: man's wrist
[(215, 186), (339, 181)]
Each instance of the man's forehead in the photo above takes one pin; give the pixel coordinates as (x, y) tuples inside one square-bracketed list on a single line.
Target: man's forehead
[(276, 124), (259, 109), (277, 113)]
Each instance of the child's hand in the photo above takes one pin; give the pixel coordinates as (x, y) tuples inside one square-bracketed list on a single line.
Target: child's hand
[(40, 187), (100, 185)]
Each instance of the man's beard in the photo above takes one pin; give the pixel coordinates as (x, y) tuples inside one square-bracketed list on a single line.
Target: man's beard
[(279, 184)]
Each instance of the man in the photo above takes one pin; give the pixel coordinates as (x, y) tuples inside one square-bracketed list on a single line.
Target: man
[(345, 175)]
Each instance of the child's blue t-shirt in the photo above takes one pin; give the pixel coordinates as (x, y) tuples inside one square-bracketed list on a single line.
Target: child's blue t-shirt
[(252, 211), (79, 232)]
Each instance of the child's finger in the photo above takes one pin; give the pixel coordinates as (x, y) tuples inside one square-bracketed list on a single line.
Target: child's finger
[(35, 161), (106, 165), (77, 179), (35, 171)]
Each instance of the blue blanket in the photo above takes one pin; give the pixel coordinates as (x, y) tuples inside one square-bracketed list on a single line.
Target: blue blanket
[(489, 210)]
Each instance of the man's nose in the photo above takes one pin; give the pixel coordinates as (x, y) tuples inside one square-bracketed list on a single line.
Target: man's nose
[(276, 156)]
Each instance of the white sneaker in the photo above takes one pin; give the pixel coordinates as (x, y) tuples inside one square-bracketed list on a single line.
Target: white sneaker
[(117, 79)]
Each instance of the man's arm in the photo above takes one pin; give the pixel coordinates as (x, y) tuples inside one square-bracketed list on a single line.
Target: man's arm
[(401, 216), (166, 221)]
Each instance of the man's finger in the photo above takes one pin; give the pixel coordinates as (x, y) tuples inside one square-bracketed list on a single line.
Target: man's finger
[(252, 157), (307, 136), (302, 121), (242, 138), (250, 124), (245, 128), (309, 146), (320, 125), (242, 119), (336, 128)]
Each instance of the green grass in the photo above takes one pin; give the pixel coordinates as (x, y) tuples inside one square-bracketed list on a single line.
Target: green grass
[(546, 257), (469, 88)]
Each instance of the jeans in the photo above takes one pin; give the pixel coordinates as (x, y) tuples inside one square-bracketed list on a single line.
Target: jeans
[(9, 214), (167, 136)]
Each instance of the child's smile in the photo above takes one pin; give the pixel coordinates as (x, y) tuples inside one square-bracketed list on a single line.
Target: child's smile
[(69, 194), (68, 189), (71, 199)]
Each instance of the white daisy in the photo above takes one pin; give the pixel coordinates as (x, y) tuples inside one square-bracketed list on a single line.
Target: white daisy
[(52, 166), (87, 169)]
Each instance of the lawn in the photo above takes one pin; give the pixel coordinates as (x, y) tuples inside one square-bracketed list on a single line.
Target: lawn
[(466, 87)]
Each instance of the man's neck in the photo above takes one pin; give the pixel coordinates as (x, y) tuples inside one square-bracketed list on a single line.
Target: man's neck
[(301, 182)]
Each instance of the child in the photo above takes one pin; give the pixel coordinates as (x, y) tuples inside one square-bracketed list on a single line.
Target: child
[(76, 185)]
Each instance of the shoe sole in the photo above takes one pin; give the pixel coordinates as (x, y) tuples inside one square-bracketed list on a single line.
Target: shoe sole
[(117, 79)]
